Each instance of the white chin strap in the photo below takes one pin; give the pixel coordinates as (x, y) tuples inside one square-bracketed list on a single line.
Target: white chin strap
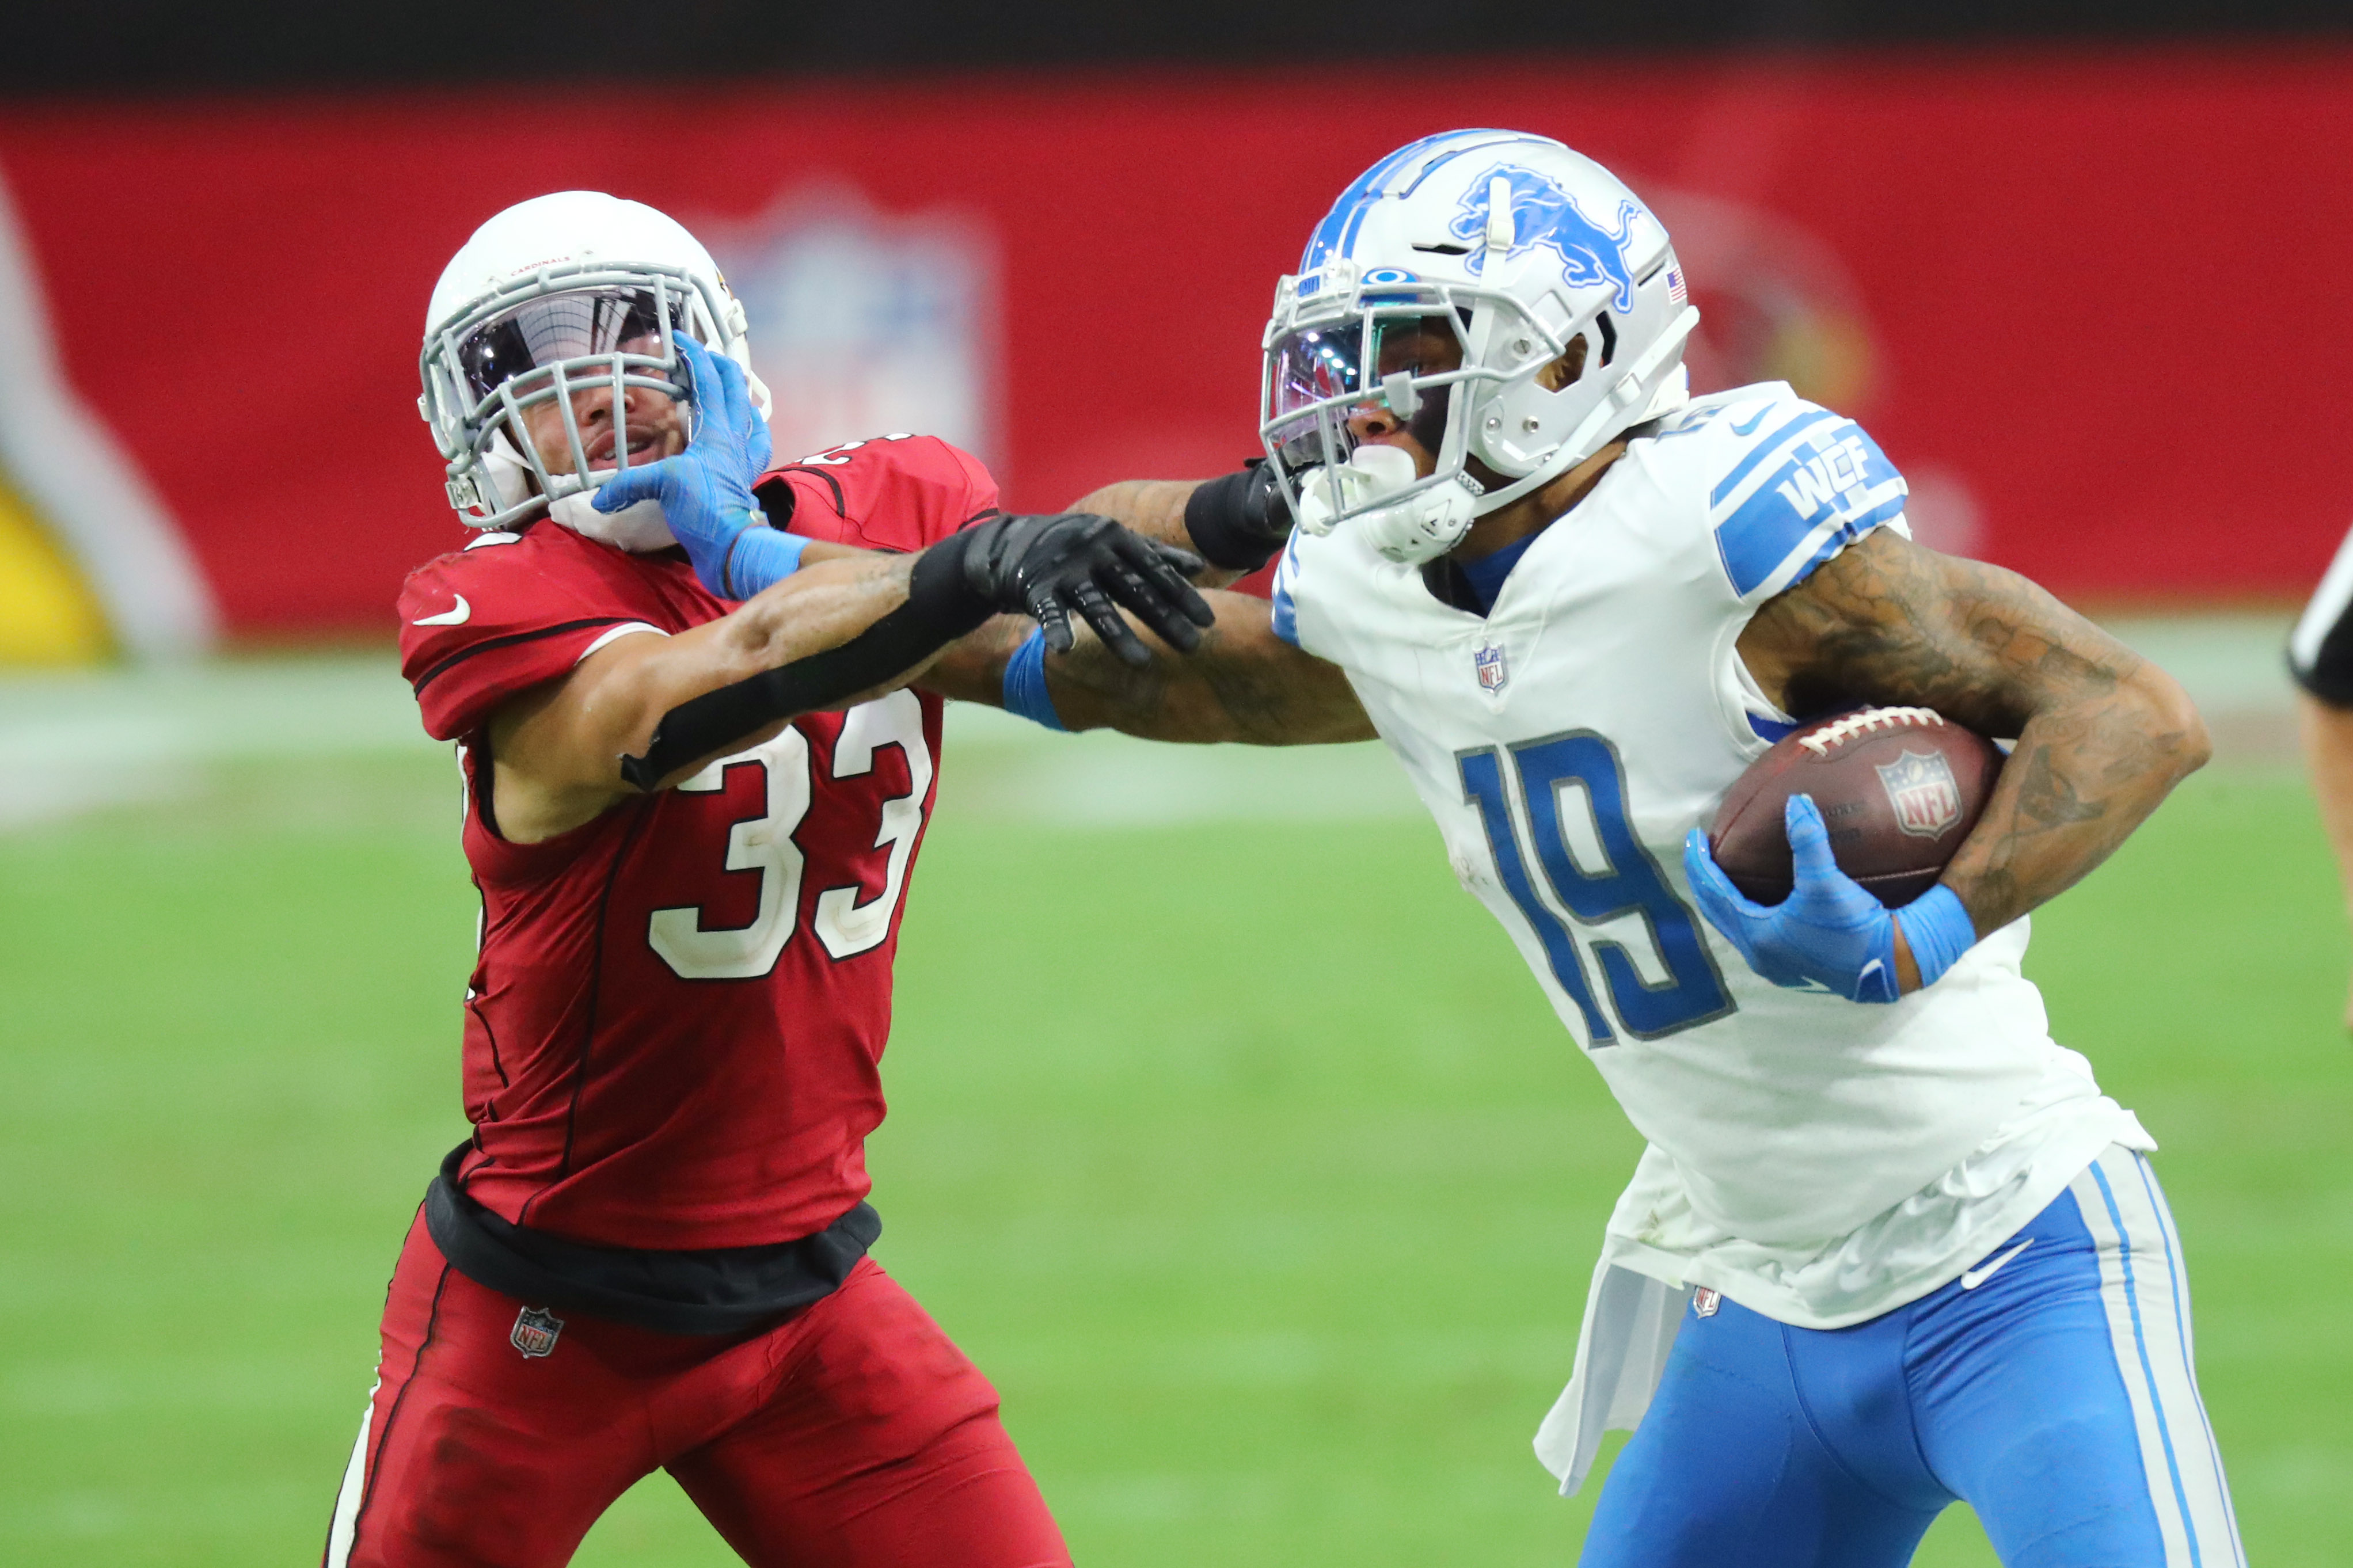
[(641, 529), (1420, 525)]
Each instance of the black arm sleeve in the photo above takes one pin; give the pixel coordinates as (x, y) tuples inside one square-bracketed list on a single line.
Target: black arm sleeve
[(2320, 653), (1238, 521), (939, 609)]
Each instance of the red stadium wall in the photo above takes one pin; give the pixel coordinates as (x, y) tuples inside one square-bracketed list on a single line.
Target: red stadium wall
[(2098, 301)]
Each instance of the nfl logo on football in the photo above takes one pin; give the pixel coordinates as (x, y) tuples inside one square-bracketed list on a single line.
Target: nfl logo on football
[(535, 1329), (1920, 788), (1489, 662)]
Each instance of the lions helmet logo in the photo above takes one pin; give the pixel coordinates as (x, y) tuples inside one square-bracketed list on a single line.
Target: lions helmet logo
[(1544, 214)]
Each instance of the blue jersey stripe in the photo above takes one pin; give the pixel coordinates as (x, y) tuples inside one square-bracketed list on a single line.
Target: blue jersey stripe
[(1759, 539), (1764, 450), (1838, 537), (2147, 1373), (1286, 610), (1286, 617)]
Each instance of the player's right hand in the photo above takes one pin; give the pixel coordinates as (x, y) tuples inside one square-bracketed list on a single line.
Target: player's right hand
[(1828, 932), (1046, 567), (706, 491)]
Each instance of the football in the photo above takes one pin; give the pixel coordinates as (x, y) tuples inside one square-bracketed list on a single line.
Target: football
[(1898, 788)]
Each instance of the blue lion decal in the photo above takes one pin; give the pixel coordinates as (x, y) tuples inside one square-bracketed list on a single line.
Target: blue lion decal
[(1544, 214)]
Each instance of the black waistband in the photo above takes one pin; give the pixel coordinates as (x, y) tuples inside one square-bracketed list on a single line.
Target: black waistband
[(722, 1290)]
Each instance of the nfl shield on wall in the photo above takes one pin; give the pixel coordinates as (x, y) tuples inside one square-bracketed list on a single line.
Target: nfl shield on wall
[(864, 323), (1920, 788), (535, 1329)]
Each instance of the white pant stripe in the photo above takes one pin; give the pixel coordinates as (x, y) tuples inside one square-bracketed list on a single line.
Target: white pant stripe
[(2181, 1320), (2149, 1328), (340, 1533)]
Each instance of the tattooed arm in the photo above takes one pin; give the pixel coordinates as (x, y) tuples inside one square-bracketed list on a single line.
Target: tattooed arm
[(1154, 509), (2103, 734), (1243, 684)]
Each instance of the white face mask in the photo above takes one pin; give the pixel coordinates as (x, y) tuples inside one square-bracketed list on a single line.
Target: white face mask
[(641, 529)]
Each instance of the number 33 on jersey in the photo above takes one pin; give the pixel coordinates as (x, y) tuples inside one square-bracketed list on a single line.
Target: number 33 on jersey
[(716, 956)]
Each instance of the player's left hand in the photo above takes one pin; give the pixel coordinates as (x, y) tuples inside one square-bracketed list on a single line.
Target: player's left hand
[(706, 491), (1829, 931)]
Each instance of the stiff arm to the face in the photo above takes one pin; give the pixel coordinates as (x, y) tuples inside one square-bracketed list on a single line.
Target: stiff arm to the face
[(2103, 735)]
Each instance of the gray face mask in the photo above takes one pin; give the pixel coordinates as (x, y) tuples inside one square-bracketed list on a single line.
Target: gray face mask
[(641, 529)]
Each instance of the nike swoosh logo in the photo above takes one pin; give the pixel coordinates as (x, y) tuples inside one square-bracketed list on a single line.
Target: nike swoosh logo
[(1754, 420), (456, 618), (1973, 1277)]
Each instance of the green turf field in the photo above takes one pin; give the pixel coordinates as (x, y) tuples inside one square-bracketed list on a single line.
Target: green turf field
[(1243, 1154)]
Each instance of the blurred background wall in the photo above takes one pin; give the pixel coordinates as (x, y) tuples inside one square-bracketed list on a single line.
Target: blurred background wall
[(2077, 269)]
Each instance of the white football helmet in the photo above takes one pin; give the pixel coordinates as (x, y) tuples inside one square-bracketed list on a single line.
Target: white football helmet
[(555, 295), (1518, 248)]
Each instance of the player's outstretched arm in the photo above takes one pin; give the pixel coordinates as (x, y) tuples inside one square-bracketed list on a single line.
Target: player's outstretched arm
[(1235, 523), (1242, 683), (2103, 734), (647, 711), (555, 749)]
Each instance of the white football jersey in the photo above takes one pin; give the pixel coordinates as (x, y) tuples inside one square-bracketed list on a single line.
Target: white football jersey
[(1818, 1160)]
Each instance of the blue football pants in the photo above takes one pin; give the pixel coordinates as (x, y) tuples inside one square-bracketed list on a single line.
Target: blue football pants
[(2050, 1388)]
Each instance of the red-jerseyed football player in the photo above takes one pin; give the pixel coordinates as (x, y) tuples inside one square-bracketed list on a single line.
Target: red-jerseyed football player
[(652, 1251)]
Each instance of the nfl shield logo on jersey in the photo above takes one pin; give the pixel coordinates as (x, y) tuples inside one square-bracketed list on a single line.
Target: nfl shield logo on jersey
[(1705, 1302), (1489, 662), (535, 1329), (1920, 788)]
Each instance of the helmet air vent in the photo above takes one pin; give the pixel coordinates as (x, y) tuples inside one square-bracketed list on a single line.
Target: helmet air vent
[(1609, 336)]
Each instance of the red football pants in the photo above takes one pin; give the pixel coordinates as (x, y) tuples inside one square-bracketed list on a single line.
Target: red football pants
[(853, 1434)]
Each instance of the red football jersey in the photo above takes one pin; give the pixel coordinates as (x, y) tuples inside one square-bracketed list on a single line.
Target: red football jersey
[(673, 1026)]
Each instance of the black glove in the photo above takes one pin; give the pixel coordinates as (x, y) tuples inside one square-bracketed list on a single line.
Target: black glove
[(1046, 567), (1238, 519), (1041, 566)]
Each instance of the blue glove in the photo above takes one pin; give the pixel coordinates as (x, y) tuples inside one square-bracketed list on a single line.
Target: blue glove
[(1830, 931), (706, 491)]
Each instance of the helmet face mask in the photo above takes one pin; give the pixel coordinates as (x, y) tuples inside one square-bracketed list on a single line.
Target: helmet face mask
[(1524, 249), (1385, 344), (557, 316), (524, 353)]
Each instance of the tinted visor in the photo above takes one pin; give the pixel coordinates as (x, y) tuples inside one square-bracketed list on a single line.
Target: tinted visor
[(1317, 365), (581, 323)]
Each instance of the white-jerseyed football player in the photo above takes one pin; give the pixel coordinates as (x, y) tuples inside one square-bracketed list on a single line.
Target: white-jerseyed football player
[(1889, 1245)]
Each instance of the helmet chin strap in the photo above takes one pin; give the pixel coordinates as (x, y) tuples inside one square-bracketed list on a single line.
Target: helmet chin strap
[(1423, 523), (639, 529)]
